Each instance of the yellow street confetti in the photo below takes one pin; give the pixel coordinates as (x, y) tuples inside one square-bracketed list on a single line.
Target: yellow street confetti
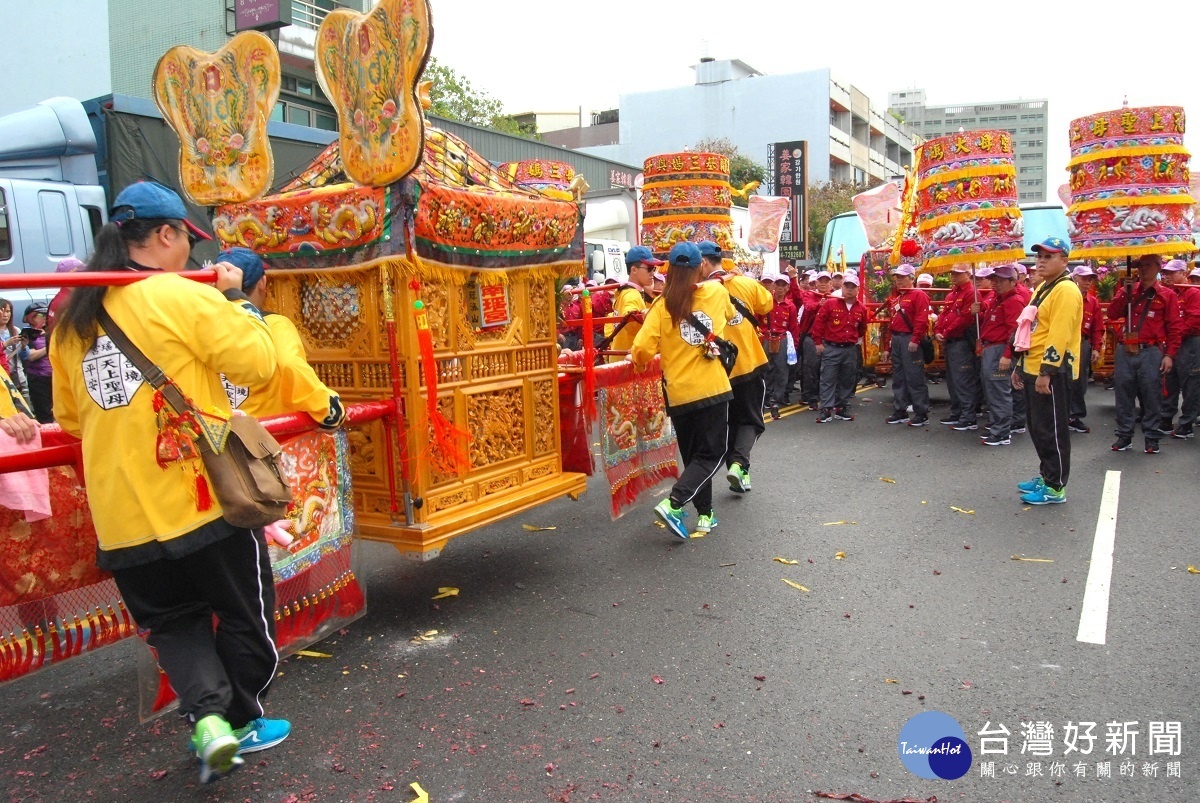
[(421, 795), (890, 680), (446, 591), (835, 523), (1193, 570), (533, 528), (785, 561), (795, 585), (960, 510), (1032, 560), (313, 654), (839, 555), (660, 524), (695, 535), (426, 636), (887, 480)]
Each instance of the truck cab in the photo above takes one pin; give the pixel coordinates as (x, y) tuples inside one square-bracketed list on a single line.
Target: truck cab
[(51, 202)]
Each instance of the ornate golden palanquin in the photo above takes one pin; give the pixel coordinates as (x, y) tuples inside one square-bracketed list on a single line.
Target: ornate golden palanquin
[(483, 259)]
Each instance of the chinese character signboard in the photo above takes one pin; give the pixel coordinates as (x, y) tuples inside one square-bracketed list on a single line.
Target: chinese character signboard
[(791, 182), (492, 310), (262, 15)]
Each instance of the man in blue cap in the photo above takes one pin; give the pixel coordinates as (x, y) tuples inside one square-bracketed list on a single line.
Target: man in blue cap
[(753, 303), (632, 298), (1044, 372), (295, 386)]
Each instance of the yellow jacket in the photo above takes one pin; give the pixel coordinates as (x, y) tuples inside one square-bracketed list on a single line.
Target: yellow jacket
[(1054, 342), (293, 388), (193, 334), (11, 400), (628, 300), (741, 332), (693, 381)]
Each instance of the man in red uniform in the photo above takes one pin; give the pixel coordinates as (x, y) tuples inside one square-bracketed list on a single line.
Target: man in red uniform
[(776, 327), (956, 331), (1184, 375), (998, 323), (840, 324), (909, 321), (1091, 346), (1149, 342), (807, 303)]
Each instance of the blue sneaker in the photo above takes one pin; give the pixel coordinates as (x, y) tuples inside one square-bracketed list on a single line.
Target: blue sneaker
[(1029, 486), (673, 517), (1045, 496), (706, 523), (262, 734)]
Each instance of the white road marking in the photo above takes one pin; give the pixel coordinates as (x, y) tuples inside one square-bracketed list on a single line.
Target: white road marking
[(1093, 620)]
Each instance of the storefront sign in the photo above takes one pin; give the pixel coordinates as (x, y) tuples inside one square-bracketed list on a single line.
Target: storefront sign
[(791, 182)]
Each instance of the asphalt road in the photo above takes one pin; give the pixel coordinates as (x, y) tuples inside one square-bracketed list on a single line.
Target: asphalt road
[(606, 661)]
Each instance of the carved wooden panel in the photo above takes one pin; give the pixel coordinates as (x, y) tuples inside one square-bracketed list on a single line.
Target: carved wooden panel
[(545, 423), (497, 425)]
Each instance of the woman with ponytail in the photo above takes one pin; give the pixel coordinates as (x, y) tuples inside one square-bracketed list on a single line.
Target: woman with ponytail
[(696, 388), (161, 534)]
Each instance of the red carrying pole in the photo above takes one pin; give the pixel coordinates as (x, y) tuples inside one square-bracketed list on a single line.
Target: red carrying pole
[(111, 278)]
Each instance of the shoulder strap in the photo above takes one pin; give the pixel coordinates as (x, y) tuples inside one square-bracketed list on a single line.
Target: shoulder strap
[(745, 310), (150, 372), (699, 324)]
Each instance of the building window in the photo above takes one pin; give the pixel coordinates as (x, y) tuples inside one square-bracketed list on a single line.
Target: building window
[(860, 176), (278, 111), (300, 115), (304, 88), (326, 122)]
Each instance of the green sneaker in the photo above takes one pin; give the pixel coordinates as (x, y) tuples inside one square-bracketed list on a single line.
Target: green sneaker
[(739, 479), (217, 748), (706, 523), (673, 517), (1045, 496)]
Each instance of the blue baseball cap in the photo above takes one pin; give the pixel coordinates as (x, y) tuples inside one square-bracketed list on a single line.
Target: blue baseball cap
[(1054, 245), (149, 200), (642, 254), (248, 262), (684, 255), (709, 249)]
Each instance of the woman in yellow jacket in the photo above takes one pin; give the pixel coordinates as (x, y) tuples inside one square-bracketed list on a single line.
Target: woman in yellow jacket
[(176, 561), (696, 387)]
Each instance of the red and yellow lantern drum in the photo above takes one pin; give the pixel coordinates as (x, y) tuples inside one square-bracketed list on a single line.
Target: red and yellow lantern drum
[(1130, 184), (686, 198), (967, 208)]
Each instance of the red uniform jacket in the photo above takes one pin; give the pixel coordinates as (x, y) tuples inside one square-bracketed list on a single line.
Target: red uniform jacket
[(782, 319), (1093, 321), (1156, 309), (956, 316), (998, 321), (915, 306), (807, 303), (837, 323), (1189, 309)]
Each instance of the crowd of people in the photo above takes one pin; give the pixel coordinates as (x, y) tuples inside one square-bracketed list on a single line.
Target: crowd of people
[(1019, 346)]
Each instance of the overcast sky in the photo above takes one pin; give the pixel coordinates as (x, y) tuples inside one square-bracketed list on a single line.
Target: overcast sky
[(558, 55)]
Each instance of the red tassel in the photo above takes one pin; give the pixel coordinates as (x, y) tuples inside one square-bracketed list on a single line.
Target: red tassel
[(204, 500), (589, 360), (448, 449), (165, 693), (350, 596)]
